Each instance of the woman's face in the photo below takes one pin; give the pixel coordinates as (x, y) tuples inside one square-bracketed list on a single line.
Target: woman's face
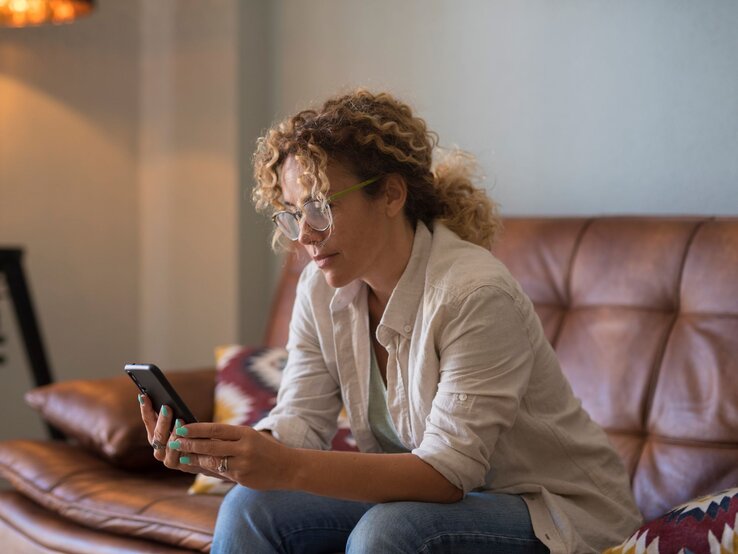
[(352, 248)]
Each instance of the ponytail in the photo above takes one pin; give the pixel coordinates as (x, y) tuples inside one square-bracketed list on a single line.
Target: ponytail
[(465, 208)]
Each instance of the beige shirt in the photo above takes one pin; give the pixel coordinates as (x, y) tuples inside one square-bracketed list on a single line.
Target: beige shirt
[(473, 388)]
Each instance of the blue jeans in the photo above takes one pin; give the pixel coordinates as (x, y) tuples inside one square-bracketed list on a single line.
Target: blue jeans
[(291, 522)]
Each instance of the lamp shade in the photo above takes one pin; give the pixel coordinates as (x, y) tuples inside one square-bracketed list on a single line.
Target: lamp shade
[(24, 13)]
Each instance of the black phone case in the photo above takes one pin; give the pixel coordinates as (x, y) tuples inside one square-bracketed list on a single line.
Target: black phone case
[(151, 381)]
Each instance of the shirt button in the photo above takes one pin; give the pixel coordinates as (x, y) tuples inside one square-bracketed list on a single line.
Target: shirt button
[(462, 397), (408, 328)]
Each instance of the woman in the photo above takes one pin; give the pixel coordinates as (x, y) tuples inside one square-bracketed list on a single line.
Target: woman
[(471, 439)]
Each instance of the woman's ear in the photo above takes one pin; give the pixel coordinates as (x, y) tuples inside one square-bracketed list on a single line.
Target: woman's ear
[(395, 194)]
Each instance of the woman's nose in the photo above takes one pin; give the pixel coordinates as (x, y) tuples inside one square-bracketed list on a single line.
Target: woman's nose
[(308, 235)]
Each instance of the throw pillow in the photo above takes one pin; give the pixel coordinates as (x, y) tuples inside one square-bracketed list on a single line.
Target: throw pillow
[(246, 385), (102, 415), (705, 525)]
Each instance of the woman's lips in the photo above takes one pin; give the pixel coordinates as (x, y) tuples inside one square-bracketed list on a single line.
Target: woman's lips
[(323, 260)]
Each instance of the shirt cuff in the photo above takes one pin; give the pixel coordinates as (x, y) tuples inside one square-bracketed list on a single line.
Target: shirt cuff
[(290, 431), (459, 469)]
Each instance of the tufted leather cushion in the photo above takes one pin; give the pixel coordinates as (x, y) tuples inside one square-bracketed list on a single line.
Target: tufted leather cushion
[(643, 313), (103, 415), (84, 489), (28, 528)]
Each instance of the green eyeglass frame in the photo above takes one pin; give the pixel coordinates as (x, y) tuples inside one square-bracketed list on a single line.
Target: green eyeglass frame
[(317, 214)]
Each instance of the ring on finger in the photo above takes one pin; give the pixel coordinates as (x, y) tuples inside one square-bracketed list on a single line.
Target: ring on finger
[(156, 445), (223, 465)]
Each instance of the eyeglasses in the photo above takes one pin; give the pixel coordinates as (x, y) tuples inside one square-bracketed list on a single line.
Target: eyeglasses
[(317, 213)]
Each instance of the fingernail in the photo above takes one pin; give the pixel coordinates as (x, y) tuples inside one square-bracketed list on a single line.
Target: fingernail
[(141, 399), (174, 445), (164, 411), (184, 460), (181, 431), (178, 423)]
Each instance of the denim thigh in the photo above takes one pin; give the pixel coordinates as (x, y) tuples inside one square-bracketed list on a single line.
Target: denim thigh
[(286, 522), (480, 523), (297, 522)]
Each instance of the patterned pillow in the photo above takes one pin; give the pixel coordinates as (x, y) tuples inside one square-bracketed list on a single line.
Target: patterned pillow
[(246, 386), (704, 525)]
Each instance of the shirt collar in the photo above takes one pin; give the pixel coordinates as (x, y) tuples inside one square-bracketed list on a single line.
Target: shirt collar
[(402, 307), (399, 315), (345, 295)]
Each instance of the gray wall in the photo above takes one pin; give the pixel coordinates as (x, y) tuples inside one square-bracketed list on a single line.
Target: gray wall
[(572, 107), (68, 147), (258, 265), (188, 180)]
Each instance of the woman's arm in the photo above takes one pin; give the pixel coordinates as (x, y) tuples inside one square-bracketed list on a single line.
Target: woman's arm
[(258, 461), (309, 398), (370, 477)]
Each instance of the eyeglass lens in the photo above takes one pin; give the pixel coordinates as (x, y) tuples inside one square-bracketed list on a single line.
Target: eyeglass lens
[(317, 215)]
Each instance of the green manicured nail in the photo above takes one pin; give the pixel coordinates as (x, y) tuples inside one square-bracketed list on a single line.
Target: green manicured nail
[(141, 399), (181, 431), (174, 445), (164, 411), (178, 423), (184, 460)]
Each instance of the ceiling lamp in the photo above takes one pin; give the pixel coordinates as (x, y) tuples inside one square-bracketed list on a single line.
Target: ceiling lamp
[(24, 13)]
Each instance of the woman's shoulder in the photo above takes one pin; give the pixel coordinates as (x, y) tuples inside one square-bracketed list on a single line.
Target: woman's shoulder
[(458, 267)]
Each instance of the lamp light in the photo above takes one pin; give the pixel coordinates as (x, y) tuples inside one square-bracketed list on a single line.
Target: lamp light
[(24, 13)]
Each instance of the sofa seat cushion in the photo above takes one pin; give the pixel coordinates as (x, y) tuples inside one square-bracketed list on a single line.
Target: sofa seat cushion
[(27, 527), (75, 484)]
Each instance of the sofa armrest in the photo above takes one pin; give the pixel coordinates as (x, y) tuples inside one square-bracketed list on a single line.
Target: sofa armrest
[(103, 414)]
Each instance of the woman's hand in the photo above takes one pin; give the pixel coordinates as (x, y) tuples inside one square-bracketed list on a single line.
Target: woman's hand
[(160, 438), (235, 452)]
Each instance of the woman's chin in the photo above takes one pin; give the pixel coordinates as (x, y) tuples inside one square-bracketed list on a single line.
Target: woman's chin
[(335, 279)]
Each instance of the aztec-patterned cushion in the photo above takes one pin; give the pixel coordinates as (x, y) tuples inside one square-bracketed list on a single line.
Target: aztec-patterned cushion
[(705, 525), (246, 385)]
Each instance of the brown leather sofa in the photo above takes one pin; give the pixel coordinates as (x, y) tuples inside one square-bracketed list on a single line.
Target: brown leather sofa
[(643, 312)]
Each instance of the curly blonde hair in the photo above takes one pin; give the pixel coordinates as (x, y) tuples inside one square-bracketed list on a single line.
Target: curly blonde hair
[(376, 134)]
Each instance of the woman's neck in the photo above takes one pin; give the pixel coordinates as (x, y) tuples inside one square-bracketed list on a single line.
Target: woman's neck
[(395, 259)]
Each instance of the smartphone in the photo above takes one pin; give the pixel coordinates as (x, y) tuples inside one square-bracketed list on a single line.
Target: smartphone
[(151, 381)]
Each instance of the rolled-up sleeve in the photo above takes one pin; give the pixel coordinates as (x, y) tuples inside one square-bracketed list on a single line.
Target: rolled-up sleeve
[(309, 398), (486, 360)]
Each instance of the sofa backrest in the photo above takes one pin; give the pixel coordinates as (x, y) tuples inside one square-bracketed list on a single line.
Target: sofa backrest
[(278, 325), (643, 314)]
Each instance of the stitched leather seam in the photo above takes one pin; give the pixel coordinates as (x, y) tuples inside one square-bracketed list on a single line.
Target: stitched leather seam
[(659, 358), (676, 441), (567, 285)]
